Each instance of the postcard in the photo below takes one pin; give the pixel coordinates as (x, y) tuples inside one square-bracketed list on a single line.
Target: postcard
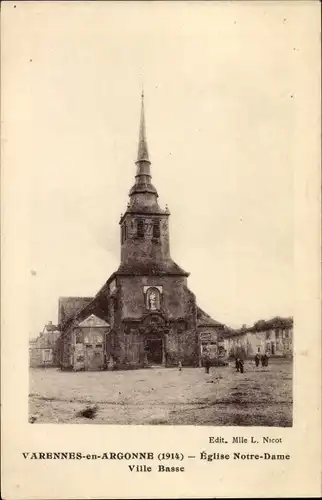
[(160, 249)]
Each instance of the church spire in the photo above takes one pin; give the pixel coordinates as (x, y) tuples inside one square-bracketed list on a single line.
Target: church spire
[(143, 154), (143, 192)]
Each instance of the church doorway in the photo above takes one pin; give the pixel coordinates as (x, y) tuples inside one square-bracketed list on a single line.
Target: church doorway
[(154, 350), (94, 357)]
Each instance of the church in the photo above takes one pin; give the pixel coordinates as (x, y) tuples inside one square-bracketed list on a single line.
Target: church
[(145, 314)]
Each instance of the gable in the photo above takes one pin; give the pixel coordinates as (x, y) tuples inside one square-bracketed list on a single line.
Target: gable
[(93, 321)]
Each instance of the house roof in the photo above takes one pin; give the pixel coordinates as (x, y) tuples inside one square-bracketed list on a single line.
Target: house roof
[(261, 326), (203, 319), (69, 306), (97, 306)]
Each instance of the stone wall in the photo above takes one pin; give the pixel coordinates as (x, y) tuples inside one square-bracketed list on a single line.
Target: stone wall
[(147, 248), (175, 296), (177, 317)]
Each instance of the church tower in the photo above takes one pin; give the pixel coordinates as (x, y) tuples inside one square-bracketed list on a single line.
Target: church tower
[(145, 314), (144, 225)]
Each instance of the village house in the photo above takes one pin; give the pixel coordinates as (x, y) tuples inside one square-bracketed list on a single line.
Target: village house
[(211, 337), (145, 313), (43, 350), (274, 337)]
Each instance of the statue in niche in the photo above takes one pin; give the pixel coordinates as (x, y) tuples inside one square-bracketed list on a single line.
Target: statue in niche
[(153, 299)]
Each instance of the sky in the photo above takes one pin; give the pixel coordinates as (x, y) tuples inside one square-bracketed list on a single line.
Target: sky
[(222, 85)]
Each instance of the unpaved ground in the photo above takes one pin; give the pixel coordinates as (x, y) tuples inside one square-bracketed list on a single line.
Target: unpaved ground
[(260, 397)]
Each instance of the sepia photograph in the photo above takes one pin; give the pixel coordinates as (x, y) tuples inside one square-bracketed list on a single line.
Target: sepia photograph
[(161, 218), (160, 249)]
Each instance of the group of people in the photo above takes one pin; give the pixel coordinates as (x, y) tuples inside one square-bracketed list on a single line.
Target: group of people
[(263, 359), (240, 363)]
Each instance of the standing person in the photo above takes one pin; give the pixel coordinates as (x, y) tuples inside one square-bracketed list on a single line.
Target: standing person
[(237, 364), (241, 365), (257, 360), (180, 365), (266, 359), (263, 360), (206, 361)]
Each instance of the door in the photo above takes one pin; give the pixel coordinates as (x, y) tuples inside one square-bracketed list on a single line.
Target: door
[(94, 357), (154, 348)]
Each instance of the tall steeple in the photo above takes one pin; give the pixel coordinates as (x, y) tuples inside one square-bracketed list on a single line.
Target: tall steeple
[(143, 194), (143, 154), (145, 246)]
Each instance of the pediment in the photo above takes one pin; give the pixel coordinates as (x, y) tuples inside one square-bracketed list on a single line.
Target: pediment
[(93, 321)]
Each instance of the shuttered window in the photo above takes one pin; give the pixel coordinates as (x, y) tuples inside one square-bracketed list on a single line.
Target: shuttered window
[(156, 229), (140, 228)]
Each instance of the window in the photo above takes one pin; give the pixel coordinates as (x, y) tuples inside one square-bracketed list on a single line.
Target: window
[(99, 345), (156, 229), (79, 337), (140, 228), (47, 355), (123, 233)]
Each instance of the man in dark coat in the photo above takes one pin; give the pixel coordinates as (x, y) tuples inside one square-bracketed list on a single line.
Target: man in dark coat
[(239, 364), (264, 360), (206, 361), (257, 360)]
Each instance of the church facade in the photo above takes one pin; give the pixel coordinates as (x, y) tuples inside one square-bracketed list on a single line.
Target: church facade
[(145, 313)]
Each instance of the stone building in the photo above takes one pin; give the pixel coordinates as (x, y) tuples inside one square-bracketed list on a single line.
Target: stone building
[(211, 336), (43, 350), (274, 337), (145, 313)]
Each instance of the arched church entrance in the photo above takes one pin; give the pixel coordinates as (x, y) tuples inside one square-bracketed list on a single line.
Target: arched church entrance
[(154, 349), (154, 339)]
